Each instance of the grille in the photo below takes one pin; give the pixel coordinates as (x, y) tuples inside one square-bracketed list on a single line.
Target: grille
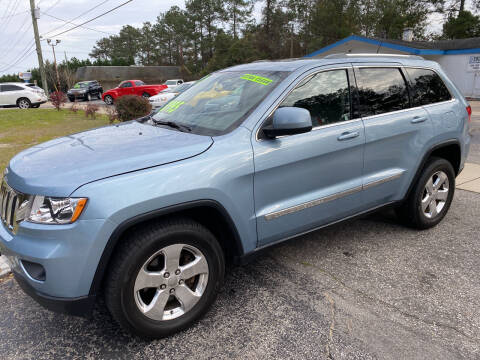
[(10, 202)]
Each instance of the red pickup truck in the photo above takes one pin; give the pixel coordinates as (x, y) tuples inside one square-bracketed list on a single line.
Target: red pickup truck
[(131, 87)]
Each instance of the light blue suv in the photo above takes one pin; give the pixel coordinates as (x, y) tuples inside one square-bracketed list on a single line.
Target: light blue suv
[(147, 213)]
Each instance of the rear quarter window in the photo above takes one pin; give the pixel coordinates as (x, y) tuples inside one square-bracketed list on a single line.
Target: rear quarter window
[(381, 90), (427, 87)]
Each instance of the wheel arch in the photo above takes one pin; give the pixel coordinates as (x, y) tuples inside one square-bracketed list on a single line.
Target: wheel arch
[(209, 213), (449, 150)]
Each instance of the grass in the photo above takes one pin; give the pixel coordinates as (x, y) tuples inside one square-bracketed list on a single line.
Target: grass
[(21, 129)]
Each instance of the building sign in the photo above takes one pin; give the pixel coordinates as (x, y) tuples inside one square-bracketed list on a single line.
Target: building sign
[(474, 63)]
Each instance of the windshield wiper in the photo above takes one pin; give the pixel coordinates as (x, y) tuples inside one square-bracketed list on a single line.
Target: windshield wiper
[(172, 125)]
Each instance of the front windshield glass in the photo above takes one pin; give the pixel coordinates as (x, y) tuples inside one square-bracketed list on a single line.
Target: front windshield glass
[(182, 88), (80, 85), (171, 82), (219, 102)]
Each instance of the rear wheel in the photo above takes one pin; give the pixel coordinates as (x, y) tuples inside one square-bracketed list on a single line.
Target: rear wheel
[(24, 103), (164, 277), (108, 100), (431, 196)]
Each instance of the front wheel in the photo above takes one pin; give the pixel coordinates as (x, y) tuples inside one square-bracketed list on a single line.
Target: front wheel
[(431, 196), (89, 97), (108, 100), (164, 277)]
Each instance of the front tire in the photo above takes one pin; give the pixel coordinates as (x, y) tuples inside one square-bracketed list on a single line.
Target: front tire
[(431, 196), (89, 97), (164, 277)]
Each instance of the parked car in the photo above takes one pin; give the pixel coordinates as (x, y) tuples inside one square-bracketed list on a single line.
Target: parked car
[(132, 87), (166, 95), (21, 95), (173, 83), (85, 90), (148, 212)]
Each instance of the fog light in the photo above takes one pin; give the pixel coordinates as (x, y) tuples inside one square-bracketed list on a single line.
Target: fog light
[(34, 270)]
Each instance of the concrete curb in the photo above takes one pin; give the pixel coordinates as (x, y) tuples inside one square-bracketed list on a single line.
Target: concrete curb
[(4, 267)]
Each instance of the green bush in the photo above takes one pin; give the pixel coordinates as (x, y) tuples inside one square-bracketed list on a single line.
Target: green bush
[(131, 107)]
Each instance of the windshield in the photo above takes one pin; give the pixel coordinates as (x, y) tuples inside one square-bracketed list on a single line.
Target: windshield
[(219, 102), (33, 86), (171, 82), (182, 88), (80, 85)]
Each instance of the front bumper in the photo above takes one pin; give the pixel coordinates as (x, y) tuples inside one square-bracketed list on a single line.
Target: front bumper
[(81, 306), (69, 255)]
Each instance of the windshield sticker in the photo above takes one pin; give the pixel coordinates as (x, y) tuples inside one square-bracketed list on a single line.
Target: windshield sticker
[(172, 106), (257, 79)]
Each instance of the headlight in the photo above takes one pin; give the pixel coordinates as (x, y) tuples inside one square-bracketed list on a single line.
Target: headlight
[(163, 99), (48, 210)]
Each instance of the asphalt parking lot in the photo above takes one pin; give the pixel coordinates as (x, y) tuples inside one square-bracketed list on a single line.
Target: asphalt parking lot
[(365, 289)]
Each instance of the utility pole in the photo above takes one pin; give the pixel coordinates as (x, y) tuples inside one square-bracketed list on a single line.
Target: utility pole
[(35, 16), (50, 42)]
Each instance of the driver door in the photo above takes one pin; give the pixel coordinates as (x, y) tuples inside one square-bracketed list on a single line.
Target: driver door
[(308, 180)]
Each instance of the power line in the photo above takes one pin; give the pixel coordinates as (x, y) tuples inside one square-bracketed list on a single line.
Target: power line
[(95, 18), (75, 18), (69, 22), (16, 14)]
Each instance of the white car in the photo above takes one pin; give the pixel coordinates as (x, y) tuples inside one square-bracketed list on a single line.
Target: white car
[(173, 83), (22, 95), (166, 95)]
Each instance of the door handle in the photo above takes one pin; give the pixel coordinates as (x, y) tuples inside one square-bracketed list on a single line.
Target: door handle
[(348, 135), (418, 119)]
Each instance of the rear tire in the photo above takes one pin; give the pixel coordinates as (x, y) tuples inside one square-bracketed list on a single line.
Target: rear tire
[(24, 103), (146, 289), (431, 196)]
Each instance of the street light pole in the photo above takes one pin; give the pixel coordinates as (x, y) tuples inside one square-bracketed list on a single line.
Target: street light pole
[(50, 42), (35, 16)]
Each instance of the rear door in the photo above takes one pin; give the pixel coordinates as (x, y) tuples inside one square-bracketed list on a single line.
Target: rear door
[(308, 180), (396, 132)]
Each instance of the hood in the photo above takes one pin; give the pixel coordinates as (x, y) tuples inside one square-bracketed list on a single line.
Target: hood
[(58, 167)]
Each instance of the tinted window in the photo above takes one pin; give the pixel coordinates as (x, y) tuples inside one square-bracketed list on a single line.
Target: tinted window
[(326, 95), (427, 87), (139, 83), (126, 85), (11, 88), (381, 90)]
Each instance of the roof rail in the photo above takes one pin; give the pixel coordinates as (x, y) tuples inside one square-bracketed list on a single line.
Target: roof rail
[(345, 55)]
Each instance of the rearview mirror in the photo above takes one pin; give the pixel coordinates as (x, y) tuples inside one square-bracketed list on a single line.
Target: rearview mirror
[(289, 121)]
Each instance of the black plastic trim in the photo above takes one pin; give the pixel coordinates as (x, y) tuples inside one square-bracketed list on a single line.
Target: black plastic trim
[(81, 306), (424, 161), (115, 237)]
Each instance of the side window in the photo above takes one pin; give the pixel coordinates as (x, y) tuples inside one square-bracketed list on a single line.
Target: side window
[(11, 88), (381, 90), (427, 87), (126, 84), (326, 95)]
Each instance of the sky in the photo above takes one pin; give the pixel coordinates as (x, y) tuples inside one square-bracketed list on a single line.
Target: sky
[(17, 52)]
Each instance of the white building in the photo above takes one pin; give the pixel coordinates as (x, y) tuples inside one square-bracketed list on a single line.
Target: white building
[(459, 58)]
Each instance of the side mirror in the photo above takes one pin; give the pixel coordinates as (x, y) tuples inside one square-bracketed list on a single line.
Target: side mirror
[(289, 121)]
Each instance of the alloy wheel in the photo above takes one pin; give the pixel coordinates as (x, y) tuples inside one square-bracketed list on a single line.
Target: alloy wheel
[(23, 104), (171, 282), (435, 194)]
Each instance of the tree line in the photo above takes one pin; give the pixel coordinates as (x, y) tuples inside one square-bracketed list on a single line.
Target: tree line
[(212, 34)]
